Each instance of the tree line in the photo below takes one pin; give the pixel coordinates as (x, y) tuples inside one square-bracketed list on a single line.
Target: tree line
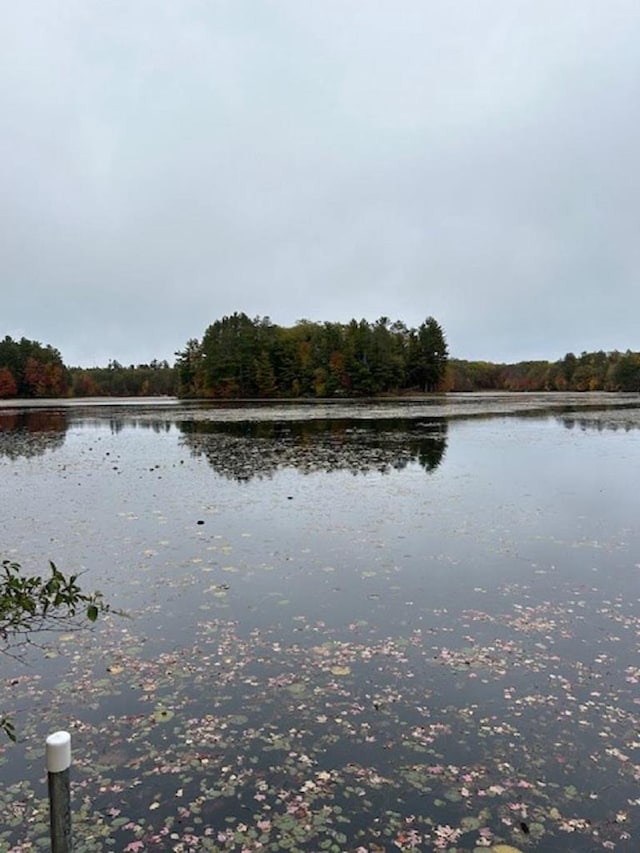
[(29, 369), (590, 371), (156, 379), (243, 357)]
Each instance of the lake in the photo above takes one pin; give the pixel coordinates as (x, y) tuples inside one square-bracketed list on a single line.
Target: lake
[(362, 627)]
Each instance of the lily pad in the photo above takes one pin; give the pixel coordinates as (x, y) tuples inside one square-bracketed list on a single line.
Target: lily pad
[(162, 715)]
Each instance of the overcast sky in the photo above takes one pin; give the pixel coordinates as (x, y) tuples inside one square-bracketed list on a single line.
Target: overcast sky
[(165, 163)]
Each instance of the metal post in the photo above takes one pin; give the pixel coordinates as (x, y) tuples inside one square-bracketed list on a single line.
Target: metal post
[(58, 753)]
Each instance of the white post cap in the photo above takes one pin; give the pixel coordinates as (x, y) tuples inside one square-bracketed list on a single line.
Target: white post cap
[(58, 752)]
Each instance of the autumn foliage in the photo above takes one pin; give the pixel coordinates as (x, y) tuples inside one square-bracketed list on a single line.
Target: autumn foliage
[(590, 371), (29, 369), (8, 384), (242, 357)]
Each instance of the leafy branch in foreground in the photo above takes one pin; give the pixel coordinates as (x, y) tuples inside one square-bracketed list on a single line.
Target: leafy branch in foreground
[(31, 603)]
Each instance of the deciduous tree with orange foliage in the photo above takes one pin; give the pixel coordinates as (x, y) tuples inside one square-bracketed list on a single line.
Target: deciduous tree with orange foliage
[(8, 385), (36, 370)]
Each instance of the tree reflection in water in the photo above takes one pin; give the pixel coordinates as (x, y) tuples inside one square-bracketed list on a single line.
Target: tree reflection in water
[(248, 449), (31, 432)]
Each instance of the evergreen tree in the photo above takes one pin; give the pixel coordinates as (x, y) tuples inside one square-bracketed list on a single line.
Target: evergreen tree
[(428, 355), (239, 357)]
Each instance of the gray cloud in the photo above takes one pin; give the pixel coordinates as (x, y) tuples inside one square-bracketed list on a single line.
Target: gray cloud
[(163, 164)]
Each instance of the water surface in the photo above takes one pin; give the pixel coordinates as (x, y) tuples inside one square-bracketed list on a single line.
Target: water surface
[(373, 627)]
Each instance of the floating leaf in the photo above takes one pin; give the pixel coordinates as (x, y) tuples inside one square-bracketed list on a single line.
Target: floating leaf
[(340, 670), (162, 715)]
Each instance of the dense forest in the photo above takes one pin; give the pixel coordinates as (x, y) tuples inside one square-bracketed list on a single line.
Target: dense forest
[(590, 371), (156, 379), (243, 357), (29, 369)]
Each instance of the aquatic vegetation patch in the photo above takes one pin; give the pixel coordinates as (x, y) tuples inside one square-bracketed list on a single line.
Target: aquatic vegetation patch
[(335, 739)]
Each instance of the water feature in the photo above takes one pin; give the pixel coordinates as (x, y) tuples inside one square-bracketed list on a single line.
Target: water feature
[(351, 627)]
